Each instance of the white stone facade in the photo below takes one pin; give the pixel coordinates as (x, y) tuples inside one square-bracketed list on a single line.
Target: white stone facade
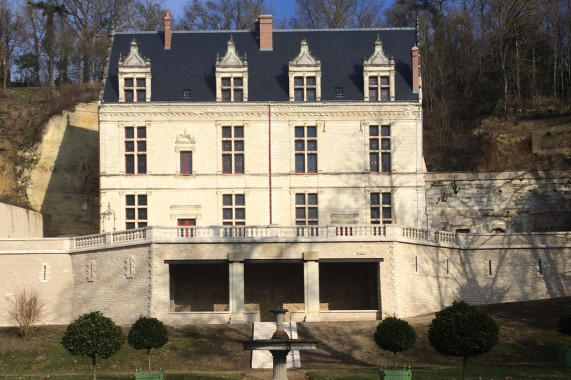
[(343, 181)]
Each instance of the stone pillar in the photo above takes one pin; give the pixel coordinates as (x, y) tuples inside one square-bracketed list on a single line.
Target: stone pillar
[(236, 281), (311, 285), (280, 365)]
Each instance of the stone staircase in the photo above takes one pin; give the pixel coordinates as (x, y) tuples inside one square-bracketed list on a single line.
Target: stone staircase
[(265, 330)]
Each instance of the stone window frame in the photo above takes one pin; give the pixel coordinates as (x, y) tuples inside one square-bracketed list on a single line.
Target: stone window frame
[(231, 67), (136, 68), (233, 149), (306, 210), (304, 66), (306, 148), (379, 66), (380, 147), (135, 149), (138, 204), (379, 203), (234, 209)]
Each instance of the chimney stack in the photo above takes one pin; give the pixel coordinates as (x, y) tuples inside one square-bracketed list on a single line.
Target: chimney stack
[(264, 29), (415, 69), (168, 31)]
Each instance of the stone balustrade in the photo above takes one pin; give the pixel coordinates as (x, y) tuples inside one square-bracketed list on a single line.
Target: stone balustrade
[(261, 234)]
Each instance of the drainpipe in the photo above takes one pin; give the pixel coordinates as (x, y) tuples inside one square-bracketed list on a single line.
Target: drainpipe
[(270, 157)]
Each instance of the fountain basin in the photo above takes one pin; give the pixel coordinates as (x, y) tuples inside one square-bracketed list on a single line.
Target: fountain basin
[(279, 344)]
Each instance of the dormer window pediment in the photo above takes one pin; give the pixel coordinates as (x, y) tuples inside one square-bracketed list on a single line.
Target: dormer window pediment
[(134, 75), (379, 75), (304, 57), (231, 75), (231, 58), (134, 59), (378, 58), (304, 76)]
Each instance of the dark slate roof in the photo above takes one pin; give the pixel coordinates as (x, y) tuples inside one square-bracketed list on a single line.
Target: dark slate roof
[(190, 63)]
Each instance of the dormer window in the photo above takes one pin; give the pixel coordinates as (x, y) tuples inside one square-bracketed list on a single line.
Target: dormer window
[(379, 76), (304, 76), (304, 89), (379, 88), (134, 77), (135, 89), (232, 89), (231, 76)]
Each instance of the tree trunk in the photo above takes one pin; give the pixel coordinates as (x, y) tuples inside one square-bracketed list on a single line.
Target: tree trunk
[(149, 355), (394, 360), (464, 367), (94, 363)]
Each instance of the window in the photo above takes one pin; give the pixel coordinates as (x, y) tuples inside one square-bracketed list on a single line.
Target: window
[(135, 89), (186, 162), (136, 150), (233, 210), (339, 92), (186, 93), (136, 211), (379, 88), (306, 149), (305, 89), (232, 89), (380, 148), (306, 209), (233, 150), (381, 208)]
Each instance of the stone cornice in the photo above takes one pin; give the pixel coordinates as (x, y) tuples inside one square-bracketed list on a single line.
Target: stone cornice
[(251, 110)]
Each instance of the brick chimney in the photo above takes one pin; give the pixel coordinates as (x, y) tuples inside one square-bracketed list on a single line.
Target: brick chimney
[(415, 69), (264, 29), (168, 31)]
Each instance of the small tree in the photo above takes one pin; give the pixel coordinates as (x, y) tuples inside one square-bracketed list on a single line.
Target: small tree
[(147, 333), (26, 311), (394, 335), (462, 330), (93, 335)]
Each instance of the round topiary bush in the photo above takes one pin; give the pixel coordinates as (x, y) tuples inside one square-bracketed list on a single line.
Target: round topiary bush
[(462, 330), (394, 335), (564, 324), (147, 333)]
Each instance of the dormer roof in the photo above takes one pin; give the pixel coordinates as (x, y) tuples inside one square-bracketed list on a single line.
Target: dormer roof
[(191, 62)]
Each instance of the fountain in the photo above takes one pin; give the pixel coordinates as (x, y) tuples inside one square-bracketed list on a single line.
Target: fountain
[(280, 345)]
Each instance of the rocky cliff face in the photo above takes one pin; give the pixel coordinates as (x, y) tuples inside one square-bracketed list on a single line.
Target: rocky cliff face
[(64, 184)]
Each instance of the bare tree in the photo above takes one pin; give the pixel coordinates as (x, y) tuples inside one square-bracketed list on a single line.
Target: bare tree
[(50, 10), (221, 14), (10, 25), (92, 21), (146, 15), (27, 310), (337, 13)]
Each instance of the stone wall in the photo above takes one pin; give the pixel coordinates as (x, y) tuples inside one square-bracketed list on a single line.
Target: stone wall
[(432, 277), (116, 282), (50, 274), (18, 222), (523, 201), (417, 275)]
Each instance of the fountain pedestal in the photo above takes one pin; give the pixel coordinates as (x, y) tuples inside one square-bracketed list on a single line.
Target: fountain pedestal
[(278, 347)]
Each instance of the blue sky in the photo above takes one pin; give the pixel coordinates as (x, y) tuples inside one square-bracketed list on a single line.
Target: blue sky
[(279, 8)]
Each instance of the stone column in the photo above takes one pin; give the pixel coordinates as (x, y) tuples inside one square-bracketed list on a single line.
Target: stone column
[(236, 282), (280, 364), (311, 285)]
